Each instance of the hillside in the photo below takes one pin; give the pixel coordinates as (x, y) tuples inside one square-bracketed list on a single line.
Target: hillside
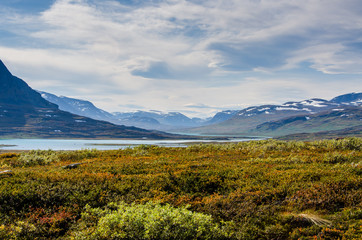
[(335, 120)]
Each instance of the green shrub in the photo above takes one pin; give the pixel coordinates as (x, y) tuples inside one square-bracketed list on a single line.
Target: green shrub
[(45, 157), (150, 221), (353, 143), (37, 157)]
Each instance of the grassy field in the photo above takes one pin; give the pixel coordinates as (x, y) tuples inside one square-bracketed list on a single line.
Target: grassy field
[(251, 190)]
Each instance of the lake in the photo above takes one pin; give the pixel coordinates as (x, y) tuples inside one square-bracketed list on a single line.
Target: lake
[(77, 144)]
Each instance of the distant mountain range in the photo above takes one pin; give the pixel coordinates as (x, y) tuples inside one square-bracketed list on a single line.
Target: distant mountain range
[(155, 120), (24, 113)]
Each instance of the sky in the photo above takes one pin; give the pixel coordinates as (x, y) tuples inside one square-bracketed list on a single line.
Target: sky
[(197, 57)]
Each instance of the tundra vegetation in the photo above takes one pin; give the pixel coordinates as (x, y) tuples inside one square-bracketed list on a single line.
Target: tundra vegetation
[(251, 190)]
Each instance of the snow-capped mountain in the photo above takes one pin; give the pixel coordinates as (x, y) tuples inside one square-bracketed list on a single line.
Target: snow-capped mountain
[(77, 106), (307, 106), (311, 106)]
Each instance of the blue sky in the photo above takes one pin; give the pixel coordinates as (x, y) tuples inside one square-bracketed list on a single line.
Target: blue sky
[(193, 56)]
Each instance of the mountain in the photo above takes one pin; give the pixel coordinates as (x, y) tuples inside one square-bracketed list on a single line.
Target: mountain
[(222, 116), (246, 120), (25, 114)]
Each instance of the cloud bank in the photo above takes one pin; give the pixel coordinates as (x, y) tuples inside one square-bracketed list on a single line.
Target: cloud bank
[(165, 54)]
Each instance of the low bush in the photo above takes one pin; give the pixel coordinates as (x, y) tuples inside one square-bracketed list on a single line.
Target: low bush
[(36, 157), (149, 221)]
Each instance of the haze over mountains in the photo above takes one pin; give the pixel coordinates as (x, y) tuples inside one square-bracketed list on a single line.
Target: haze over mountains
[(25, 114)]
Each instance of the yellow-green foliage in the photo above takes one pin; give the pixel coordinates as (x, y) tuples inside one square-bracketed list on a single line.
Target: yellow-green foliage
[(263, 189), (148, 221)]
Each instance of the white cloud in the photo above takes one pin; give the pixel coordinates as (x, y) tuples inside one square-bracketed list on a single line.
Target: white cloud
[(180, 33)]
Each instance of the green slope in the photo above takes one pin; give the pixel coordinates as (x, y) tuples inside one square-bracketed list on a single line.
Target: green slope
[(321, 122)]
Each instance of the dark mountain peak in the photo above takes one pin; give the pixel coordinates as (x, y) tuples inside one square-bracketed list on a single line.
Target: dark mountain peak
[(14, 91), (4, 70)]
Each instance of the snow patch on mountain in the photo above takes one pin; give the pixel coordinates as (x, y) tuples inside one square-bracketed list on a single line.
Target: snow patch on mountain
[(314, 103)]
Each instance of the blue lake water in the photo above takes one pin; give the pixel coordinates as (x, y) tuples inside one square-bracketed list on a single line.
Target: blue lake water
[(76, 144)]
